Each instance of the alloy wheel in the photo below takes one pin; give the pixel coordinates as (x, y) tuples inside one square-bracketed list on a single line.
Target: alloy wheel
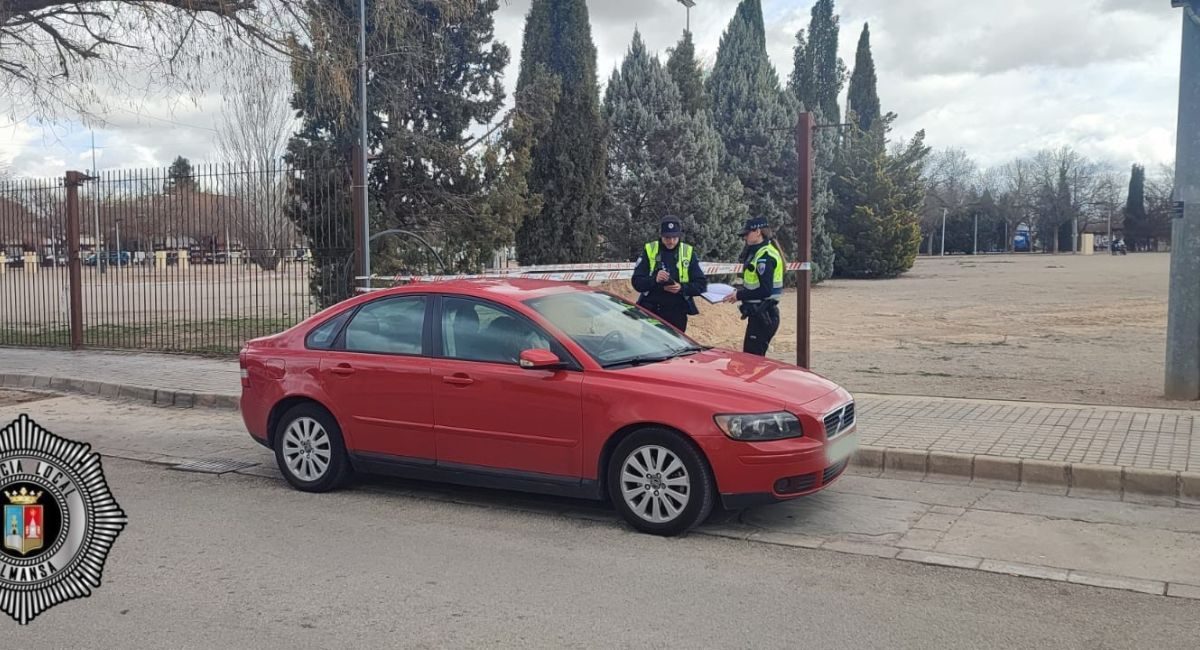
[(307, 450), (655, 484)]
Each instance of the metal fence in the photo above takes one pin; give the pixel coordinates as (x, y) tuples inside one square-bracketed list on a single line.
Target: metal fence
[(34, 295), (193, 262)]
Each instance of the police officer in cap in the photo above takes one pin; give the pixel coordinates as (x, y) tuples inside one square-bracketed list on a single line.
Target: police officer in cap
[(762, 286), (668, 276)]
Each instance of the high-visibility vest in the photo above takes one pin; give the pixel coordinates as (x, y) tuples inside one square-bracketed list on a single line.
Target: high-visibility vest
[(684, 261), (750, 274)]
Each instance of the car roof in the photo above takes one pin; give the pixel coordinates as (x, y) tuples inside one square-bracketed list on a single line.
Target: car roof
[(512, 289)]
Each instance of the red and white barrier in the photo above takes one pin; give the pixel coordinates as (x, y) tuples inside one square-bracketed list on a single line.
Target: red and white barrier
[(563, 273)]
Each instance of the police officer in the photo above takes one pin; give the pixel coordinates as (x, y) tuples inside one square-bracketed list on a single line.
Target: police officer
[(762, 286), (668, 276)]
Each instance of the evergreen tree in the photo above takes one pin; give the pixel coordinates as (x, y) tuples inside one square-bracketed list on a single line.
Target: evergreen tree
[(568, 166), (756, 121), (825, 146), (179, 175), (823, 258), (878, 201), (427, 176), (661, 161), (685, 71), (863, 97), (820, 74), (1136, 220), (800, 83)]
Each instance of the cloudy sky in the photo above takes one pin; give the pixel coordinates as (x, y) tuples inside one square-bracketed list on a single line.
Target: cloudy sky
[(998, 79)]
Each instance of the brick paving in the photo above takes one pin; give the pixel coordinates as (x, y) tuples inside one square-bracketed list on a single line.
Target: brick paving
[(153, 371), (1097, 435), (1126, 437)]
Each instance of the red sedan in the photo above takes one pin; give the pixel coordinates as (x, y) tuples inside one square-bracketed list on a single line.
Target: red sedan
[(545, 387)]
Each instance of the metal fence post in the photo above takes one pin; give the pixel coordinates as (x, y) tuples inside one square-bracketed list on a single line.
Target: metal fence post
[(74, 269), (358, 207), (804, 151)]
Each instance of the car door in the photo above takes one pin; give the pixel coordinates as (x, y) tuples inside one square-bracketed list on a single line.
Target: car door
[(378, 375), (491, 413)]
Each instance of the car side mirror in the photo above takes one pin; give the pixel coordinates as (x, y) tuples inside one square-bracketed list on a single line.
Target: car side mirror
[(539, 359)]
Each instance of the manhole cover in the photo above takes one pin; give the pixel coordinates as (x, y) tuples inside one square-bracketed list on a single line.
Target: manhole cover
[(214, 465)]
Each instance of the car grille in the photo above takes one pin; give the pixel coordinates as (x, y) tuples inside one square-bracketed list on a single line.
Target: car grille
[(833, 471), (839, 421)]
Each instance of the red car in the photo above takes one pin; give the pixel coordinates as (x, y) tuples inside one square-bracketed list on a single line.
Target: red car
[(545, 387)]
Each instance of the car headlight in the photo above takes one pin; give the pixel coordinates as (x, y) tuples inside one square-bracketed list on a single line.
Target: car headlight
[(760, 426)]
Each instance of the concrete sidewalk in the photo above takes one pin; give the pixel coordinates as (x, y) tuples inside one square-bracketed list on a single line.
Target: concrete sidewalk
[(1145, 455)]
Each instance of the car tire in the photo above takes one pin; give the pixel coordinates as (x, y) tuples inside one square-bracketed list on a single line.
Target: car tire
[(668, 488), (320, 466)]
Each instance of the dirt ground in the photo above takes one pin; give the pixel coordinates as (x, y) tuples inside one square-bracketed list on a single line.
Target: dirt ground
[(1075, 329)]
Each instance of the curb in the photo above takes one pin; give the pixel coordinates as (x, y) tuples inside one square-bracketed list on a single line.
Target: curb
[(967, 562), (157, 397), (1131, 484)]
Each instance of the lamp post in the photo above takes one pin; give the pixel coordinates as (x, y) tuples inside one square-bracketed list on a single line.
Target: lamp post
[(1183, 306), (689, 4), (362, 144)]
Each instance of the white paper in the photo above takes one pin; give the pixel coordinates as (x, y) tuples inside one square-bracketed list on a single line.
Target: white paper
[(717, 292)]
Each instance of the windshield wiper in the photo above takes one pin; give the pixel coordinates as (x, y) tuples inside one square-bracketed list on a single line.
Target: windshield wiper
[(655, 358), (640, 359)]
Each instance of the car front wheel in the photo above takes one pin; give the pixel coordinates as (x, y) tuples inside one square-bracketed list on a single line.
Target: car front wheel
[(309, 449), (660, 482)]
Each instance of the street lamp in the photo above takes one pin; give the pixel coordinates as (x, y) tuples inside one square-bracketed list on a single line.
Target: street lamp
[(689, 4), (1183, 305)]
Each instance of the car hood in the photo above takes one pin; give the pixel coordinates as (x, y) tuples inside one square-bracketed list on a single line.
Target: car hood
[(774, 383)]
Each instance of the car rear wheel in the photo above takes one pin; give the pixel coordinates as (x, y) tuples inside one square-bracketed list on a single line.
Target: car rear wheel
[(660, 482), (309, 449)]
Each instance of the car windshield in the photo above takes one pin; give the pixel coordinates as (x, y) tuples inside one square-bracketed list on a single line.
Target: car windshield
[(611, 330)]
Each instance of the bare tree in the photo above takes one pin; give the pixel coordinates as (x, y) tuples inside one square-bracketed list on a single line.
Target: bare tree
[(55, 53), (1011, 187), (950, 178), (251, 139), (1065, 185)]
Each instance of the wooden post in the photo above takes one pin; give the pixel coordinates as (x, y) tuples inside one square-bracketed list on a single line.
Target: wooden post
[(74, 264), (804, 150)]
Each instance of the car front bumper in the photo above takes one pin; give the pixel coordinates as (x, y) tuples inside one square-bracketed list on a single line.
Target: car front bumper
[(769, 472)]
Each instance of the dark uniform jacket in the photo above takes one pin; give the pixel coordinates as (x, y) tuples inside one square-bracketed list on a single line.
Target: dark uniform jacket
[(653, 296)]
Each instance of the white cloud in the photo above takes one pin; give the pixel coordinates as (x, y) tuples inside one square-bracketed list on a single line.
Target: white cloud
[(997, 79)]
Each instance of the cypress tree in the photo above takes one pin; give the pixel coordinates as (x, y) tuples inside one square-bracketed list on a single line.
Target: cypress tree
[(822, 74), (685, 71), (863, 97), (1136, 226), (661, 161), (825, 145), (568, 162), (756, 121)]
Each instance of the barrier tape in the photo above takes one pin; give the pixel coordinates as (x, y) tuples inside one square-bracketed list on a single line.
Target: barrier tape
[(563, 273)]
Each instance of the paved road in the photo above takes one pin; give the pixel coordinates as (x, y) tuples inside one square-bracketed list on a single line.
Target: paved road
[(1138, 546), (213, 561)]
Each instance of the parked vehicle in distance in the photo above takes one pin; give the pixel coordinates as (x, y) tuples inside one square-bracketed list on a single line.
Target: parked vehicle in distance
[(111, 258), (544, 387)]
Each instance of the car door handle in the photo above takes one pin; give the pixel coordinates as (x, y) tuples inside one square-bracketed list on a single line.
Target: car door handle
[(458, 380), (342, 369)]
